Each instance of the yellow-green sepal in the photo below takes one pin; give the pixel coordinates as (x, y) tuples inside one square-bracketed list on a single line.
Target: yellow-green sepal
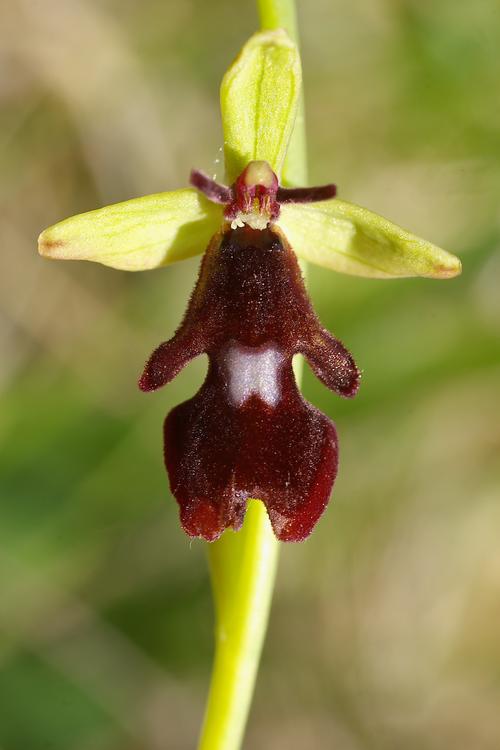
[(138, 234), (349, 239), (259, 97)]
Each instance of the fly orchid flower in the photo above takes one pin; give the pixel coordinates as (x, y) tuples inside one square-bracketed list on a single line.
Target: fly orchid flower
[(248, 433)]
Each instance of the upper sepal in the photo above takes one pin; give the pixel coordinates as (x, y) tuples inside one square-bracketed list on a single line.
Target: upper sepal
[(138, 234), (259, 98), (350, 239)]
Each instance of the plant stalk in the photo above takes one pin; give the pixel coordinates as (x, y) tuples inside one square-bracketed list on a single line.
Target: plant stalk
[(243, 564)]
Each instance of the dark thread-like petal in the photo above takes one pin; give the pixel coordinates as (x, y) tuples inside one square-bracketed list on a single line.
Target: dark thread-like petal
[(214, 191), (306, 194)]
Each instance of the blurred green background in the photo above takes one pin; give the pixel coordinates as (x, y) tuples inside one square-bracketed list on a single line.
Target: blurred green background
[(385, 629)]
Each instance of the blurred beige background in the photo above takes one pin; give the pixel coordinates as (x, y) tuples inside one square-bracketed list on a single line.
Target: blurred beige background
[(385, 627)]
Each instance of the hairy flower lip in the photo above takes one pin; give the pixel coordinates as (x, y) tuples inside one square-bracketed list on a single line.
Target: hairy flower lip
[(248, 432)]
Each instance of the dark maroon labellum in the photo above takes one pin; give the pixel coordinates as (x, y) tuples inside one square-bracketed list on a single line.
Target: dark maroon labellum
[(248, 433)]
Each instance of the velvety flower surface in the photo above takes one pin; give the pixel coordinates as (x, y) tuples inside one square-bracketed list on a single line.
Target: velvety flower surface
[(248, 433)]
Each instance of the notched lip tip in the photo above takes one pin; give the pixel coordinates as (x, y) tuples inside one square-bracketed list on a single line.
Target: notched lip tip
[(203, 538), (293, 539)]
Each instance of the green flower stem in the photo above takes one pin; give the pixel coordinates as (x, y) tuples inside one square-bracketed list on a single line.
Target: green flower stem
[(243, 564)]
